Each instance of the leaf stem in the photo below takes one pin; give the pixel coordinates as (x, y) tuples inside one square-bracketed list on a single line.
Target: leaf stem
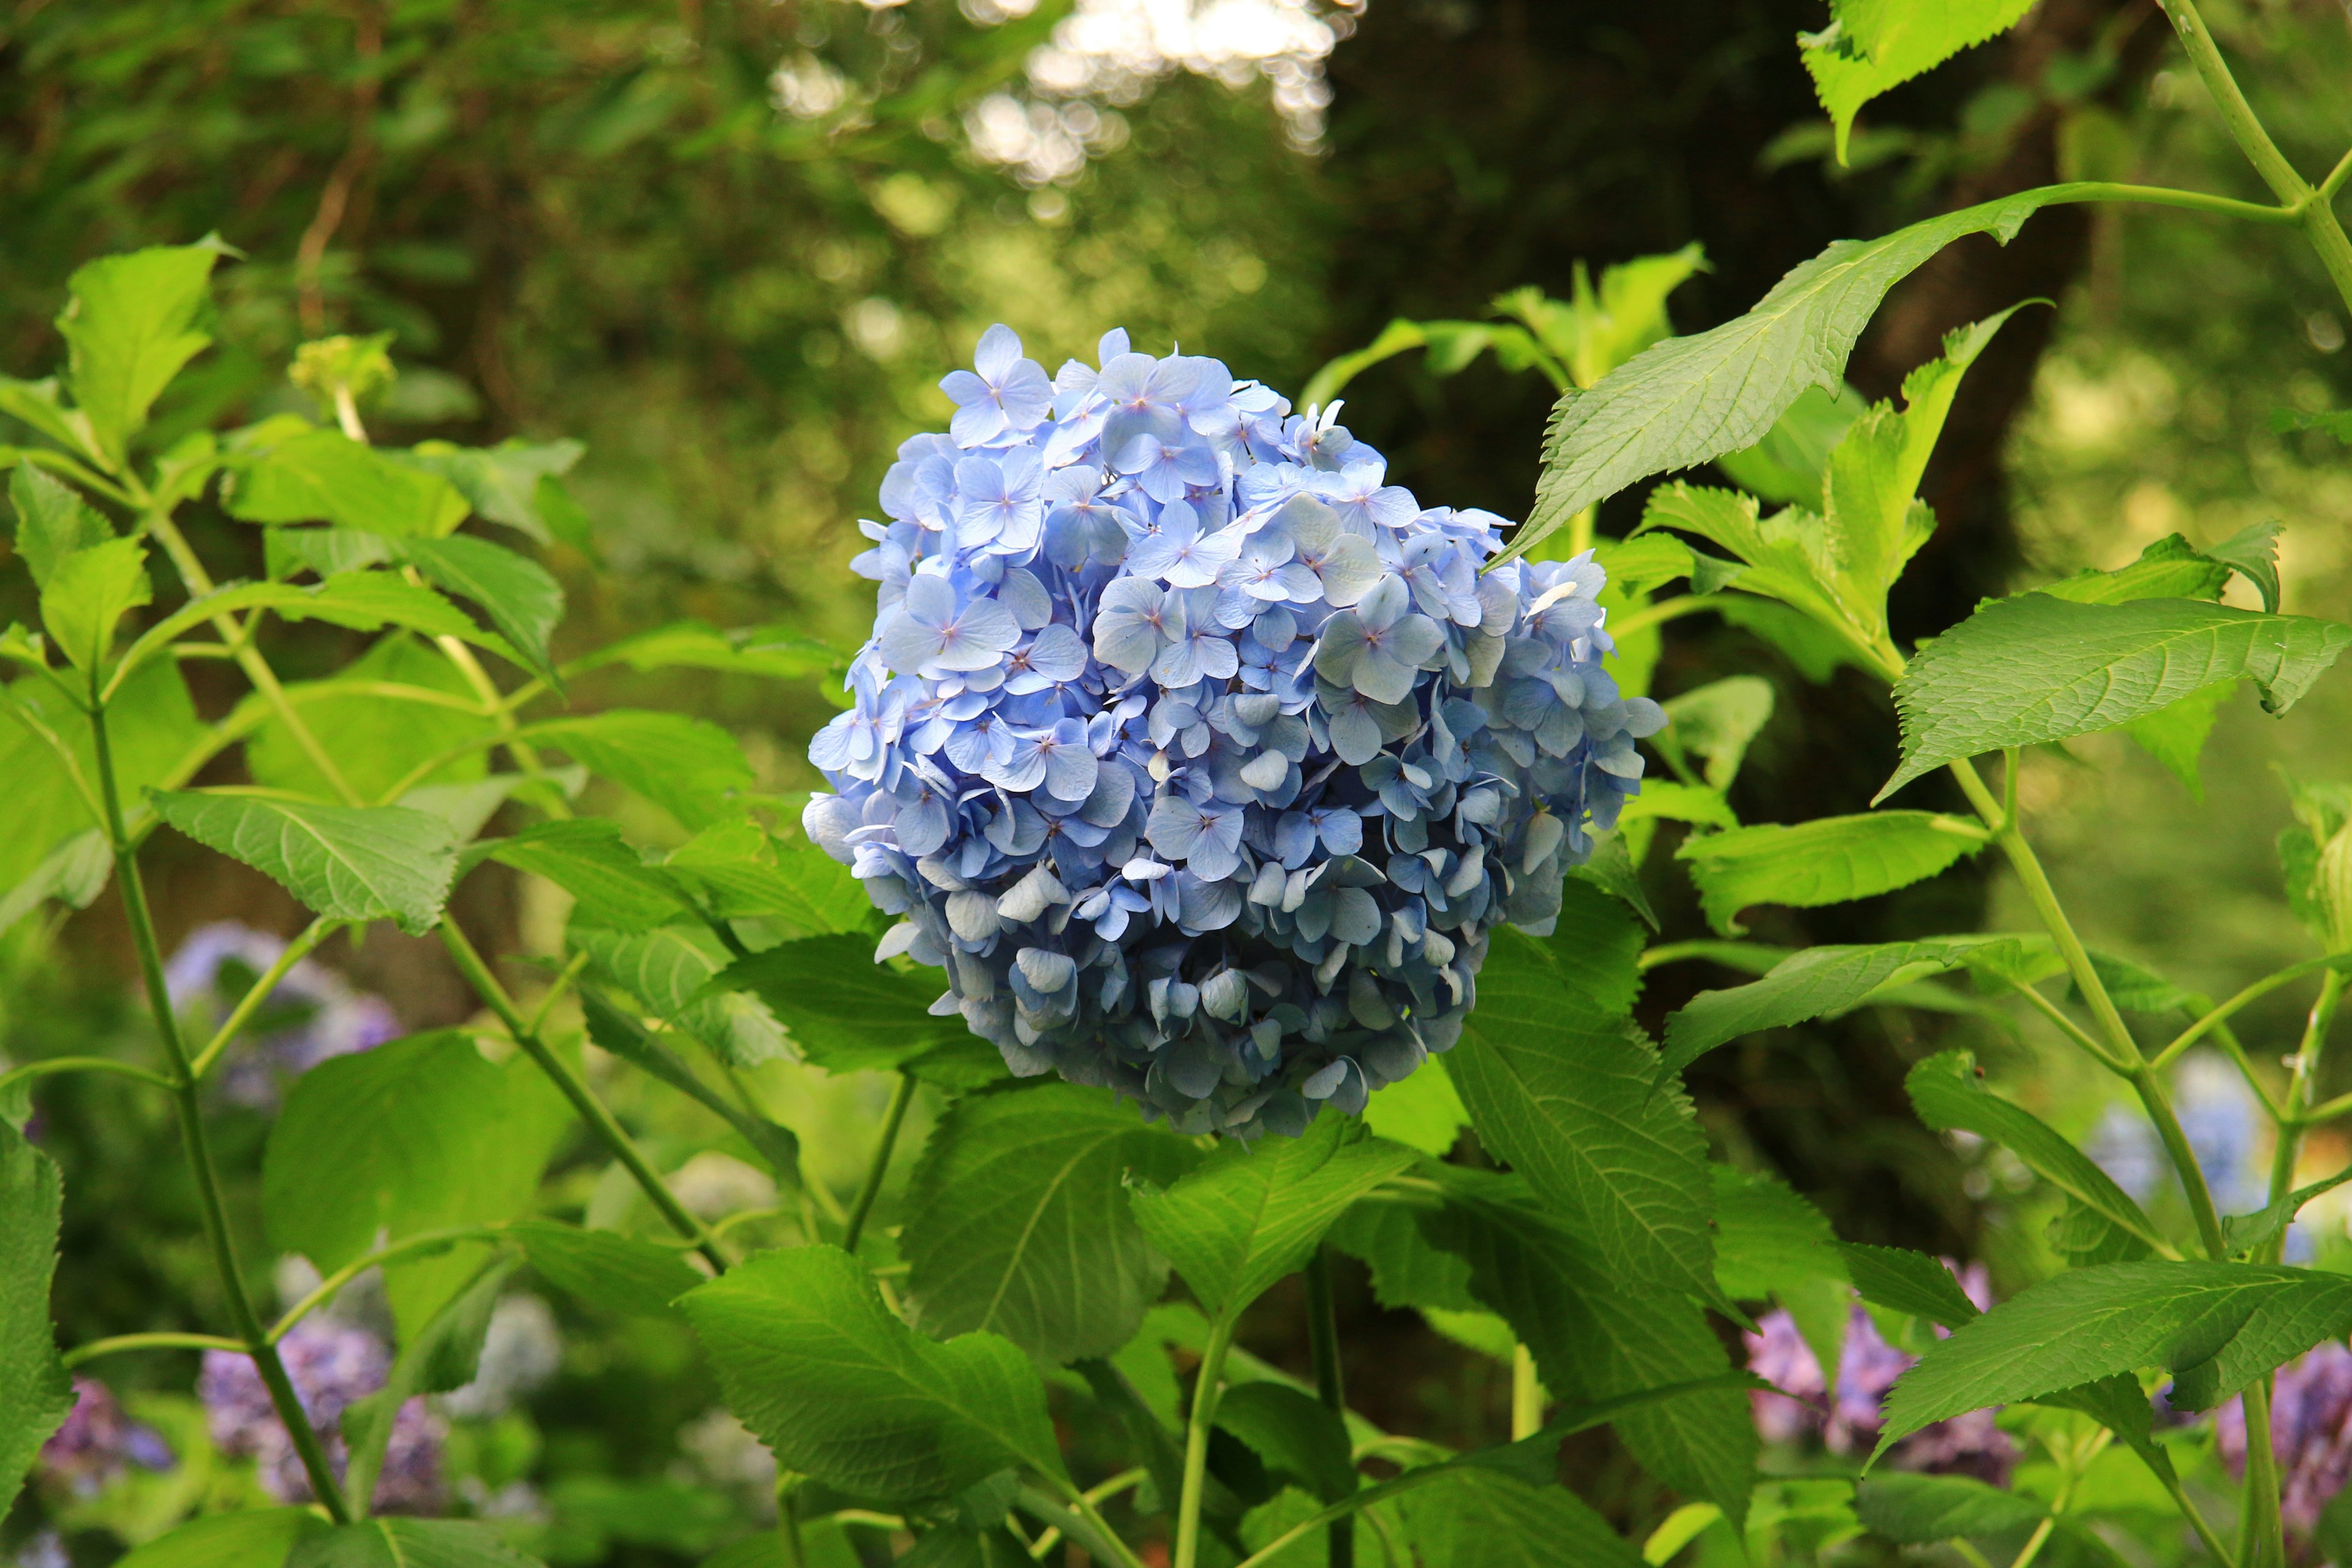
[(48, 1064), (2336, 961), (324, 1291), (591, 1110), (259, 993), (1527, 1395), (187, 1098), (1094, 1496), (120, 1343), (1196, 1444), (1665, 610), (892, 1120), (1330, 1384)]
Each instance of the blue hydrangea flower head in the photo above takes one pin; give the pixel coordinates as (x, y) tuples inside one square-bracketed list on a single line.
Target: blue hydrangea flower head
[(1200, 758)]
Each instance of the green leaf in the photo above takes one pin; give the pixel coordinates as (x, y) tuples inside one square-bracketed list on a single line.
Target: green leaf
[(847, 1012), (347, 863), (2174, 736), (377, 742), (1692, 399), (2025, 670), (1919, 1510), (38, 403), (1421, 1111), (1947, 1093), (1246, 1217), (325, 476), (619, 1273), (1787, 555), (1296, 1436), (410, 1543), (1790, 463), (364, 600), (1829, 860), (256, 1538), (1816, 652), (521, 600), (34, 1392), (2171, 568), (52, 520), (1409, 1270), (810, 1359), (1479, 1518), (1768, 1242), (1715, 723), (1595, 950), (1597, 1336), (1019, 1220), (774, 652), (88, 592), (1816, 982), (417, 1135), (129, 328), (1565, 1094), (742, 870), (2216, 1326), (1909, 1282), (669, 970), (691, 769), (587, 857), (2252, 553), (1873, 46), (502, 483), (2247, 1234), (622, 1035)]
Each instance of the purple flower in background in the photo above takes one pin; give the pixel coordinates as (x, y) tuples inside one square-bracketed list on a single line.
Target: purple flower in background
[(98, 1444), (2310, 1432), (1847, 1418), (333, 1365), (313, 1014), (1200, 758)]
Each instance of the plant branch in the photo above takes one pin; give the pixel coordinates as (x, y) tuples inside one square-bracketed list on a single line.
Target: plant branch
[(2189, 1037), (189, 1104), (1330, 1384), (591, 1110), (120, 1343), (50, 1065), (259, 993), (324, 1291), (2333, 186), (892, 1120), (1196, 1444)]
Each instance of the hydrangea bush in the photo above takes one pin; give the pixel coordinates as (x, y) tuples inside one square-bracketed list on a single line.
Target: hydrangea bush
[(1191, 764), (1201, 758)]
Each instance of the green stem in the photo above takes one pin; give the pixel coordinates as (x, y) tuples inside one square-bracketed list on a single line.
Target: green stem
[(788, 1519), (2333, 186), (1650, 616), (1196, 1443), (892, 1120), (1330, 1385), (2261, 1540), (259, 993), (324, 1291), (1527, 1395), (161, 1341), (2337, 961), (591, 1110), (1093, 1496), (47, 1066), (187, 1097)]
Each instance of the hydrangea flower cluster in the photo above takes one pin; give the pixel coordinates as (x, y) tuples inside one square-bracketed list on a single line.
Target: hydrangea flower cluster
[(2311, 1433), (1847, 1417), (98, 1444), (331, 1365), (1201, 757), (313, 1013)]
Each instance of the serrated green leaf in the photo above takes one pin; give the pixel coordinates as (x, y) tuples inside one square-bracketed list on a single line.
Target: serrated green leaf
[(1919, 1510), (377, 742), (129, 328), (1595, 950), (1771, 1244), (256, 1538), (691, 769), (1690, 400), (1597, 1336), (1873, 46), (52, 520), (811, 1359), (619, 1273), (1786, 556), (2174, 736), (289, 552), (516, 592), (742, 870), (34, 1392), (1019, 1222), (1408, 1269), (846, 1012), (1478, 1518), (669, 970), (586, 857), (1829, 860), (410, 1543), (2252, 553), (2171, 568), (1565, 1094), (1296, 1436), (2025, 670), (1816, 652), (775, 652), (502, 483), (419, 1135), (1905, 1281), (1247, 1216), (1949, 1095), (347, 863), (2249, 1233), (40, 404), (1715, 723), (1815, 983), (615, 1032), (2217, 1326), (324, 475), (91, 590)]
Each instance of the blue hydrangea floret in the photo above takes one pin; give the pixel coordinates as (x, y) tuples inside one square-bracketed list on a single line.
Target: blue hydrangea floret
[(1202, 759)]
